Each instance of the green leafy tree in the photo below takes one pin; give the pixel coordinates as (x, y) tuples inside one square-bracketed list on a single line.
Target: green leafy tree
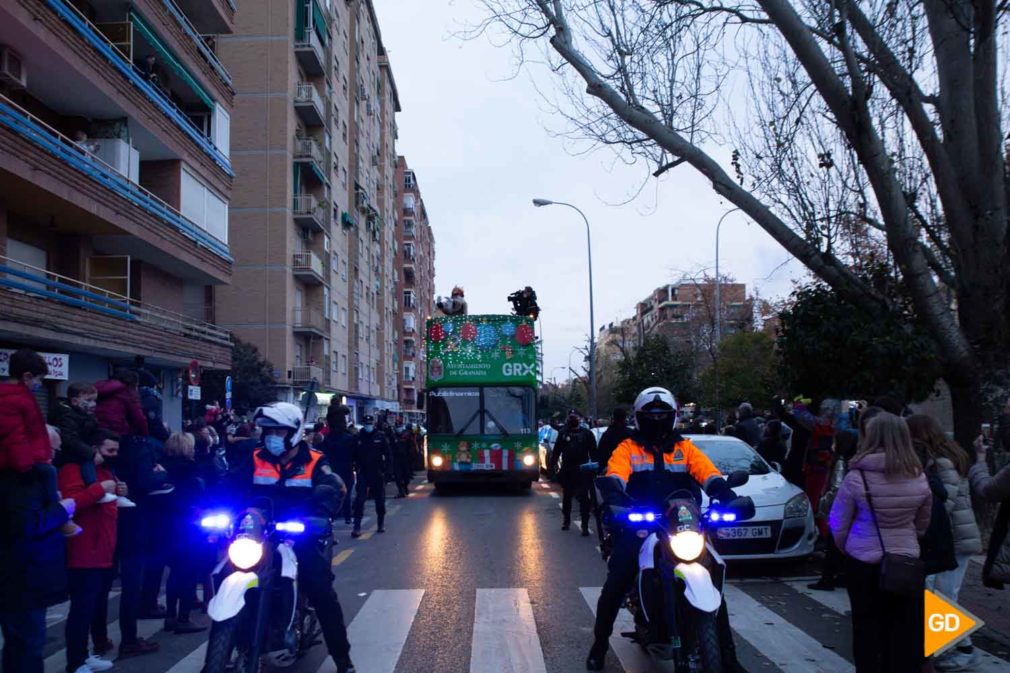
[(748, 371), (253, 382), (831, 347), (655, 363)]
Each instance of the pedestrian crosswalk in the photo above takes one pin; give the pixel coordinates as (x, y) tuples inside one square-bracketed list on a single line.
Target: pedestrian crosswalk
[(778, 625)]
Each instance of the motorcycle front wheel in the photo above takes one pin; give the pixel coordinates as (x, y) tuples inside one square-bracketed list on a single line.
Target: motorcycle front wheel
[(707, 642), (220, 646)]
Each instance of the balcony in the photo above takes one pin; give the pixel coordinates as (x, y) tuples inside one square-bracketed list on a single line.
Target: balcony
[(306, 373), (73, 314), (409, 396), (408, 232), (211, 17), (310, 213), (409, 354), (101, 193), (308, 152), (309, 268), (408, 273), (408, 209), (311, 53), (201, 46), (309, 105), (310, 321)]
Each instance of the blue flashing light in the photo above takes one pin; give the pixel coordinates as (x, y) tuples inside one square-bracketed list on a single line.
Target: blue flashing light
[(649, 516), (290, 527), (729, 516), (715, 516), (216, 522), (638, 517)]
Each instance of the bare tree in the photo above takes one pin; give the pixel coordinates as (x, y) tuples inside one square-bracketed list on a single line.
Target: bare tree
[(876, 120)]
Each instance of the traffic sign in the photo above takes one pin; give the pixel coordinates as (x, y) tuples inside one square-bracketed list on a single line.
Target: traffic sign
[(227, 386), (193, 371), (193, 393), (946, 623)]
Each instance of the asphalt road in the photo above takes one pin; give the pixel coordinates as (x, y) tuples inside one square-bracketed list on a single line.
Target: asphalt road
[(483, 580)]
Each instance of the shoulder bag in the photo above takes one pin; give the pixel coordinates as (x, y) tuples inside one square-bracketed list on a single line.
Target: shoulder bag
[(899, 574)]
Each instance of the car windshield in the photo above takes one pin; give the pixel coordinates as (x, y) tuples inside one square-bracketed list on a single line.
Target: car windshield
[(453, 411), (730, 455)]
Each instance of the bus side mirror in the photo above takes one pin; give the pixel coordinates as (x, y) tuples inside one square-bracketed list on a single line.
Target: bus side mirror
[(420, 400)]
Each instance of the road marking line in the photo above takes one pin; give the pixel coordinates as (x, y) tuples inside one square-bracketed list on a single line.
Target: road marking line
[(505, 636), (553, 494), (192, 662), (837, 600), (379, 630), (341, 557), (787, 646), (633, 659)]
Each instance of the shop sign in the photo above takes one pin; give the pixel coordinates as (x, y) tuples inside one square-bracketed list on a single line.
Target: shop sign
[(58, 363)]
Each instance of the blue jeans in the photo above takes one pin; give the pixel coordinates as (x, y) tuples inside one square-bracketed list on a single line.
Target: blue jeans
[(24, 634)]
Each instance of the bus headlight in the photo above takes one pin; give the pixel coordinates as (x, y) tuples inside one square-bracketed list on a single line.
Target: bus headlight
[(528, 460), (687, 545), (436, 461), (245, 553)]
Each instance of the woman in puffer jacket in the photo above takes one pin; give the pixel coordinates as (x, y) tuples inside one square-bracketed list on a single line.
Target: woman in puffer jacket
[(887, 632), (951, 464)]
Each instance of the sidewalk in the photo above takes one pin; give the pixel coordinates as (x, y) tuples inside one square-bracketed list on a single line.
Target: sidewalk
[(990, 605)]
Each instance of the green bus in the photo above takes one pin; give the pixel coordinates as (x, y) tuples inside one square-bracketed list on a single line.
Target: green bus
[(480, 397)]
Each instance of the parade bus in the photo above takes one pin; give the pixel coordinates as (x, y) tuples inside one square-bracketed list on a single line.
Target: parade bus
[(480, 396)]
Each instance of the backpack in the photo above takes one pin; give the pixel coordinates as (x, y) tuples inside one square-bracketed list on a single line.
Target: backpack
[(937, 545)]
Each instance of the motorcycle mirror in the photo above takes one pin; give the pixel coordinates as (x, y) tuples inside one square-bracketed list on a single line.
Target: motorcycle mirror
[(776, 466), (737, 478)]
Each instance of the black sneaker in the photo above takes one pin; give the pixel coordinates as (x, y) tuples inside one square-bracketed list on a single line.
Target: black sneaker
[(597, 656), (356, 532), (381, 529), (822, 585)]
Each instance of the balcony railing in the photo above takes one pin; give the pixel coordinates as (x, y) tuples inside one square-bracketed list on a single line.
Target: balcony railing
[(309, 212), (309, 319), (305, 373), (201, 46), (309, 104), (309, 149), (408, 232), (21, 277), (311, 53), (52, 141), (309, 266), (100, 43), (409, 354), (408, 210)]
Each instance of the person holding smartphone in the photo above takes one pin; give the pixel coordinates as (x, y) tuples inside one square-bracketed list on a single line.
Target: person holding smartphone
[(995, 488)]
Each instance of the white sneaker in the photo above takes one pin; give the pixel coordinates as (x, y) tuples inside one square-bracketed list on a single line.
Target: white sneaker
[(123, 501), (956, 660), (164, 490), (97, 664), (84, 668), (107, 498)]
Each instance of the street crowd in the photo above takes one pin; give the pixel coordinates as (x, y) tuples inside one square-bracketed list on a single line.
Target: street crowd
[(107, 490), (892, 496)]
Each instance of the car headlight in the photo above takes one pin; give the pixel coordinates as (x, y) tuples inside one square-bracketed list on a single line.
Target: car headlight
[(528, 460), (687, 545), (436, 461), (245, 552), (797, 507)]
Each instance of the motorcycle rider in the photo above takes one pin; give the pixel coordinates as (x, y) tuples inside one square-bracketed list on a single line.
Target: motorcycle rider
[(280, 469), (631, 463), (373, 460), (574, 446)]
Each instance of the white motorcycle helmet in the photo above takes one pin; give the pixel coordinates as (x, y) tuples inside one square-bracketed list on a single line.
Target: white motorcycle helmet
[(655, 411), (282, 415)]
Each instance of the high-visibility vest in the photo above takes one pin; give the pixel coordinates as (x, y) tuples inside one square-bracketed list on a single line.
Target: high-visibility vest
[(630, 457), (266, 473)]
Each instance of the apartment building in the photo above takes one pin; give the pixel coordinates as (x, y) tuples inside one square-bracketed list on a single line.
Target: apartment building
[(312, 230), (115, 182), (416, 272), (684, 313)]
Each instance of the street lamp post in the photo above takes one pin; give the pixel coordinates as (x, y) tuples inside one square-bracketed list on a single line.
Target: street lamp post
[(718, 318), (539, 203)]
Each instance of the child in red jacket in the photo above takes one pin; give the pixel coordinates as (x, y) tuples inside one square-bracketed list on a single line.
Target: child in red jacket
[(90, 554)]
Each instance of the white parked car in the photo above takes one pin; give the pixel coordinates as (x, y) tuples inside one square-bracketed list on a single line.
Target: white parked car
[(783, 525)]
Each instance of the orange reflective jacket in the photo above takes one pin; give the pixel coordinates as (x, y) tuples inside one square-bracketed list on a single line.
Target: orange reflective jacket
[(266, 473), (630, 457)]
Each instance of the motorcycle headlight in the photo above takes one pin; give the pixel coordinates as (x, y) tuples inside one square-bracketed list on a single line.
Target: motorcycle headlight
[(687, 545), (528, 460), (245, 553), (797, 507)]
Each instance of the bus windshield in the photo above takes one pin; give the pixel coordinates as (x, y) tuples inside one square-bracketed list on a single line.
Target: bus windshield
[(489, 410)]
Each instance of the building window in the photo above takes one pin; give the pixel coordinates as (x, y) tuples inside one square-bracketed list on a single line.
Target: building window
[(409, 371), (409, 323), (203, 207), (343, 364), (333, 361), (409, 299), (343, 318)]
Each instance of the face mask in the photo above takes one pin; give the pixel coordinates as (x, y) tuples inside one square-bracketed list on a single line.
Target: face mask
[(87, 406), (274, 444), (36, 385), (655, 427), (368, 428)]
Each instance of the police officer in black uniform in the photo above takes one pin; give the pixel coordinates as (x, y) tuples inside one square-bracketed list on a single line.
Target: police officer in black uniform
[(373, 460), (574, 446), (277, 470)]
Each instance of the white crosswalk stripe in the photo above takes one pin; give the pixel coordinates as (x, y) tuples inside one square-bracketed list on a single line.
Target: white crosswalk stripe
[(633, 659), (505, 638), (379, 630)]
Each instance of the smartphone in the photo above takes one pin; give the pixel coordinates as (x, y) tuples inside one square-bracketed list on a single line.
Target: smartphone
[(987, 431)]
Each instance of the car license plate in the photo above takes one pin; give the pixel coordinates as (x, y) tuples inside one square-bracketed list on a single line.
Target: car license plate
[(743, 532)]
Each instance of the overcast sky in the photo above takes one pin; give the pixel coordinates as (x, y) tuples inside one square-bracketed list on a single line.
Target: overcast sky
[(482, 148)]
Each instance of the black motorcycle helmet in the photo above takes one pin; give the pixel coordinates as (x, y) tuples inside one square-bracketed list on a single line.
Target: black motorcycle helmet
[(655, 412)]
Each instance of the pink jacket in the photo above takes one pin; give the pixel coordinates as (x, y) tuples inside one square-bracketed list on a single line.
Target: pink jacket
[(902, 507), (119, 409)]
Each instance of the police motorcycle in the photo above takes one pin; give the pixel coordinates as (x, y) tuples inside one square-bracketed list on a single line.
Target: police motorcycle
[(258, 613), (678, 591)]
